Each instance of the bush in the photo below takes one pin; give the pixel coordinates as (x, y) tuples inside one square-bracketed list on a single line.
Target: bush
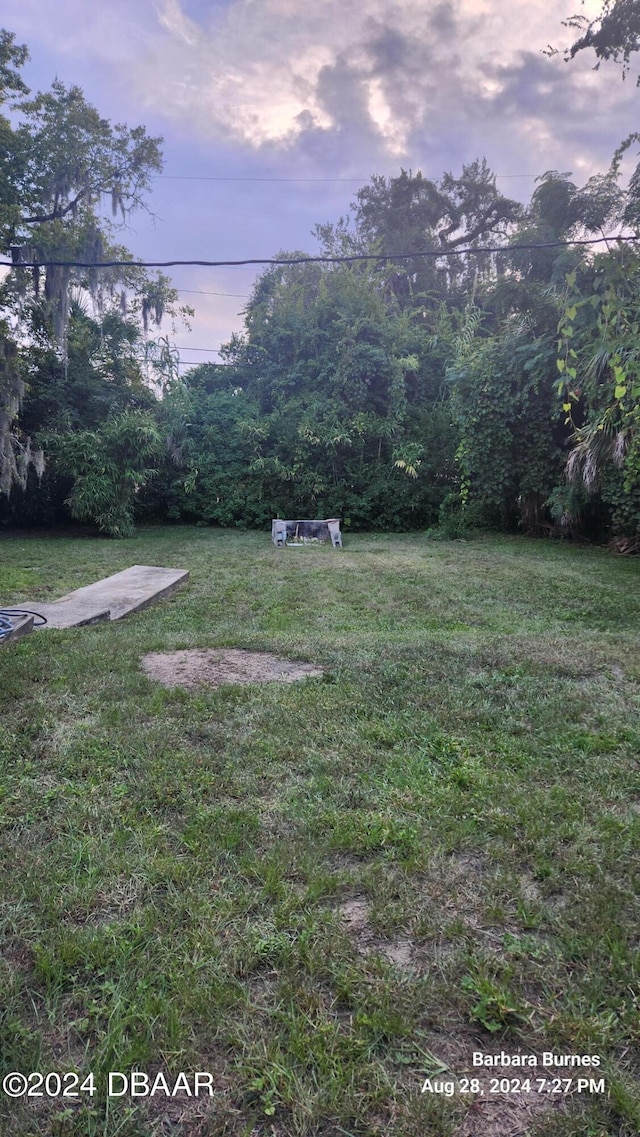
[(109, 467), (458, 518)]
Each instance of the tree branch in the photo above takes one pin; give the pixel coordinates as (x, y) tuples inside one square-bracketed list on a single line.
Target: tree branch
[(484, 223), (56, 213)]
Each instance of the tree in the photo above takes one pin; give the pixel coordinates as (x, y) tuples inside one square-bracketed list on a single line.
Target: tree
[(15, 452), (411, 213), (69, 161), (599, 366), (342, 390), (110, 466), (504, 403), (64, 164), (210, 425), (613, 34), (12, 57)]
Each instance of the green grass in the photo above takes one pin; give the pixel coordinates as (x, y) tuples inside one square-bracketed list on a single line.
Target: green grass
[(323, 892)]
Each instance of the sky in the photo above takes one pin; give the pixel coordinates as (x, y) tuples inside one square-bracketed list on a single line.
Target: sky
[(275, 112)]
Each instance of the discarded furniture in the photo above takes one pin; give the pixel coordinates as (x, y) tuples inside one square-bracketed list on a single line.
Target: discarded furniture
[(305, 532)]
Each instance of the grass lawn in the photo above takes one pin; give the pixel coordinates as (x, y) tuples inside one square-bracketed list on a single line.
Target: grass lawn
[(327, 892)]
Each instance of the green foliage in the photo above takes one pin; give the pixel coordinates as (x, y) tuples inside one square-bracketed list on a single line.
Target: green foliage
[(411, 213), (494, 1008), (393, 395), (599, 367), (63, 163), (330, 405), (459, 517), (102, 379), (12, 87), (110, 466), (210, 430), (566, 504), (613, 34), (66, 163), (16, 454), (503, 402)]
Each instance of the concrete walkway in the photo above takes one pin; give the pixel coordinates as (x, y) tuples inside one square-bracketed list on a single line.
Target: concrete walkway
[(112, 598)]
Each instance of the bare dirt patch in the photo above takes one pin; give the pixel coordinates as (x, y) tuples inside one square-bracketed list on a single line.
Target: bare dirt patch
[(179, 1114), (504, 1116), (213, 668), (355, 916), (490, 1113)]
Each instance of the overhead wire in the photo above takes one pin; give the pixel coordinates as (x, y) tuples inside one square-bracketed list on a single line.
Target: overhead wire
[(243, 178), (350, 259), (199, 292), (215, 178)]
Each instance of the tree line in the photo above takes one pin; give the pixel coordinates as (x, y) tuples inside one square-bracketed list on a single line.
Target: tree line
[(429, 387)]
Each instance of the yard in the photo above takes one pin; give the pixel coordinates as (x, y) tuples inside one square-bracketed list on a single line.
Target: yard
[(327, 893)]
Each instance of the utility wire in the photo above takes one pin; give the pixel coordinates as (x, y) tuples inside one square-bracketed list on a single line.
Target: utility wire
[(198, 292), (208, 178), (320, 260), (214, 178)]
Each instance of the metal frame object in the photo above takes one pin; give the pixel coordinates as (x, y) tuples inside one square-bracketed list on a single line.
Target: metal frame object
[(305, 532)]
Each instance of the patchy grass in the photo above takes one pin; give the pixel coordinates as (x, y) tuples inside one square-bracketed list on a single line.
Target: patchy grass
[(324, 892)]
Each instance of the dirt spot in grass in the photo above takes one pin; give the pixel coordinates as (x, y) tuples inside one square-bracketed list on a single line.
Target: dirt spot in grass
[(184, 1116), (200, 668), (398, 952), (16, 955), (458, 886), (490, 1114), (355, 916), (502, 1115), (449, 905), (181, 1115), (344, 863), (529, 887)]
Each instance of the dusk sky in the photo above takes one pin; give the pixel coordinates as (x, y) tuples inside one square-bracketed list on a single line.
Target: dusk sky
[(250, 95)]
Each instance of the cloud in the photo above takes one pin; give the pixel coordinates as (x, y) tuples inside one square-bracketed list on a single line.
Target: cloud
[(350, 80), (331, 89), (267, 73), (347, 82), (342, 79), (113, 32)]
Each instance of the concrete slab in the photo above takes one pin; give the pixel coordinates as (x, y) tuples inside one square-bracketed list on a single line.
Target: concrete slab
[(113, 597), (66, 614), (22, 625)]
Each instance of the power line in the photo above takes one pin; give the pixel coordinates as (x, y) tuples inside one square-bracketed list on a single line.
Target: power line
[(208, 178), (193, 363), (320, 260), (198, 292), (215, 178)]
